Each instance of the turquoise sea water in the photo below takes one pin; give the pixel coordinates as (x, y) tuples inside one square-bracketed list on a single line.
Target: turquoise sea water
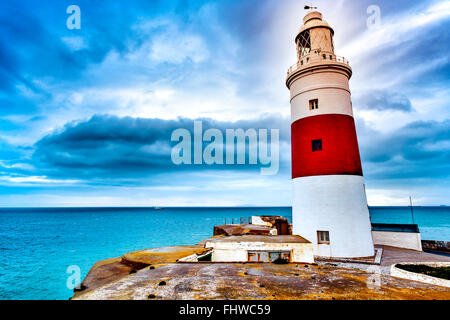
[(38, 244)]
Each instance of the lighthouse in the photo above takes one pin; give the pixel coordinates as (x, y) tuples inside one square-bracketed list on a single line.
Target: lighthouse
[(329, 205)]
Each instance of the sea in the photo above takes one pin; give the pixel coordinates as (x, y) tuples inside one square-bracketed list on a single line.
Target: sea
[(41, 247)]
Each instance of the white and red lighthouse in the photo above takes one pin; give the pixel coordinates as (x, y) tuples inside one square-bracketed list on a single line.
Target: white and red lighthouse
[(329, 202)]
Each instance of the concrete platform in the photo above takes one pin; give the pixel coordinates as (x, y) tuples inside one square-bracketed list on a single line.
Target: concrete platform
[(113, 279), (392, 255), (261, 281), (107, 271), (104, 272)]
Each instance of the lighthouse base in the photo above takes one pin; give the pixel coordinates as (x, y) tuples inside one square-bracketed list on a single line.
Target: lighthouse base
[(331, 211)]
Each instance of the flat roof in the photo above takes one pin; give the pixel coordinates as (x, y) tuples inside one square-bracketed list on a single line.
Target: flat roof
[(261, 238), (244, 226), (414, 228)]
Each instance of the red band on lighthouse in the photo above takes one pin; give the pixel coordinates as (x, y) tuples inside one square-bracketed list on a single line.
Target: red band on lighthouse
[(339, 152)]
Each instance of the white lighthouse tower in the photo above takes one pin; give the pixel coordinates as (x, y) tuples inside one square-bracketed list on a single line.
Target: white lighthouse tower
[(329, 202)]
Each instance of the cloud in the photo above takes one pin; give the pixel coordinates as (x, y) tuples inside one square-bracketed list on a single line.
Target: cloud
[(221, 60), (419, 150), (34, 179), (106, 146), (384, 100), (174, 46)]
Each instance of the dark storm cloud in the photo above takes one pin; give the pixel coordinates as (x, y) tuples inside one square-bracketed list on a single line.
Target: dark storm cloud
[(419, 150), (107, 146), (383, 100)]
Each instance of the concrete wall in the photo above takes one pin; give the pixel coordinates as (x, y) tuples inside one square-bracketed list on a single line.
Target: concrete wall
[(257, 220), (407, 240), (303, 254), (229, 255), (237, 251)]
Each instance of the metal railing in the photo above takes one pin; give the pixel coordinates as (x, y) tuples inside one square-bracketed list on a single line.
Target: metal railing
[(239, 220), (248, 220), (316, 58)]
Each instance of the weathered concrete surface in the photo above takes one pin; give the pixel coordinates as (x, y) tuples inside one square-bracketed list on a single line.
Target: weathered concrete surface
[(104, 272), (261, 281), (242, 229), (110, 270), (143, 258), (393, 255)]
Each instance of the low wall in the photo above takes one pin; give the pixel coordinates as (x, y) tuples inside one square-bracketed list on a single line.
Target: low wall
[(433, 245), (400, 273), (238, 251), (407, 240), (229, 255)]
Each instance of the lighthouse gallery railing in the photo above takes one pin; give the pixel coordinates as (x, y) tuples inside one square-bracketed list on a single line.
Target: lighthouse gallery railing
[(316, 58)]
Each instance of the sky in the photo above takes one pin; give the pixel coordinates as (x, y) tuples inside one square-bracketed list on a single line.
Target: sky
[(86, 115)]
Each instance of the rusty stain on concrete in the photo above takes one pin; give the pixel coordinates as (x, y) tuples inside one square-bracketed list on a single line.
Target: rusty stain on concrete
[(143, 258), (264, 281)]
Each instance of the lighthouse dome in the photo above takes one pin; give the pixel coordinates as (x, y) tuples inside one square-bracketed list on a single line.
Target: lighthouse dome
[(312, 15), (314, 20)]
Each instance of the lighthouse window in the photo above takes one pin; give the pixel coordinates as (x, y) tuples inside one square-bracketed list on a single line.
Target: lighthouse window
[(304, 43), (313, 104), (323, 237), (317, 145)]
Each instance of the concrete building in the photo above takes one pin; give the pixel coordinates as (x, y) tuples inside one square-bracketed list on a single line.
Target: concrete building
[(258, 248), (397, 235), (329, 202)]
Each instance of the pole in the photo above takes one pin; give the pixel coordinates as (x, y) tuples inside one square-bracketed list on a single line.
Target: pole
[(412, 212)]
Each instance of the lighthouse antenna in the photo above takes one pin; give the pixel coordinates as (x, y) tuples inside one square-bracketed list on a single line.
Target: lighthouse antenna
[(411, 206)]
